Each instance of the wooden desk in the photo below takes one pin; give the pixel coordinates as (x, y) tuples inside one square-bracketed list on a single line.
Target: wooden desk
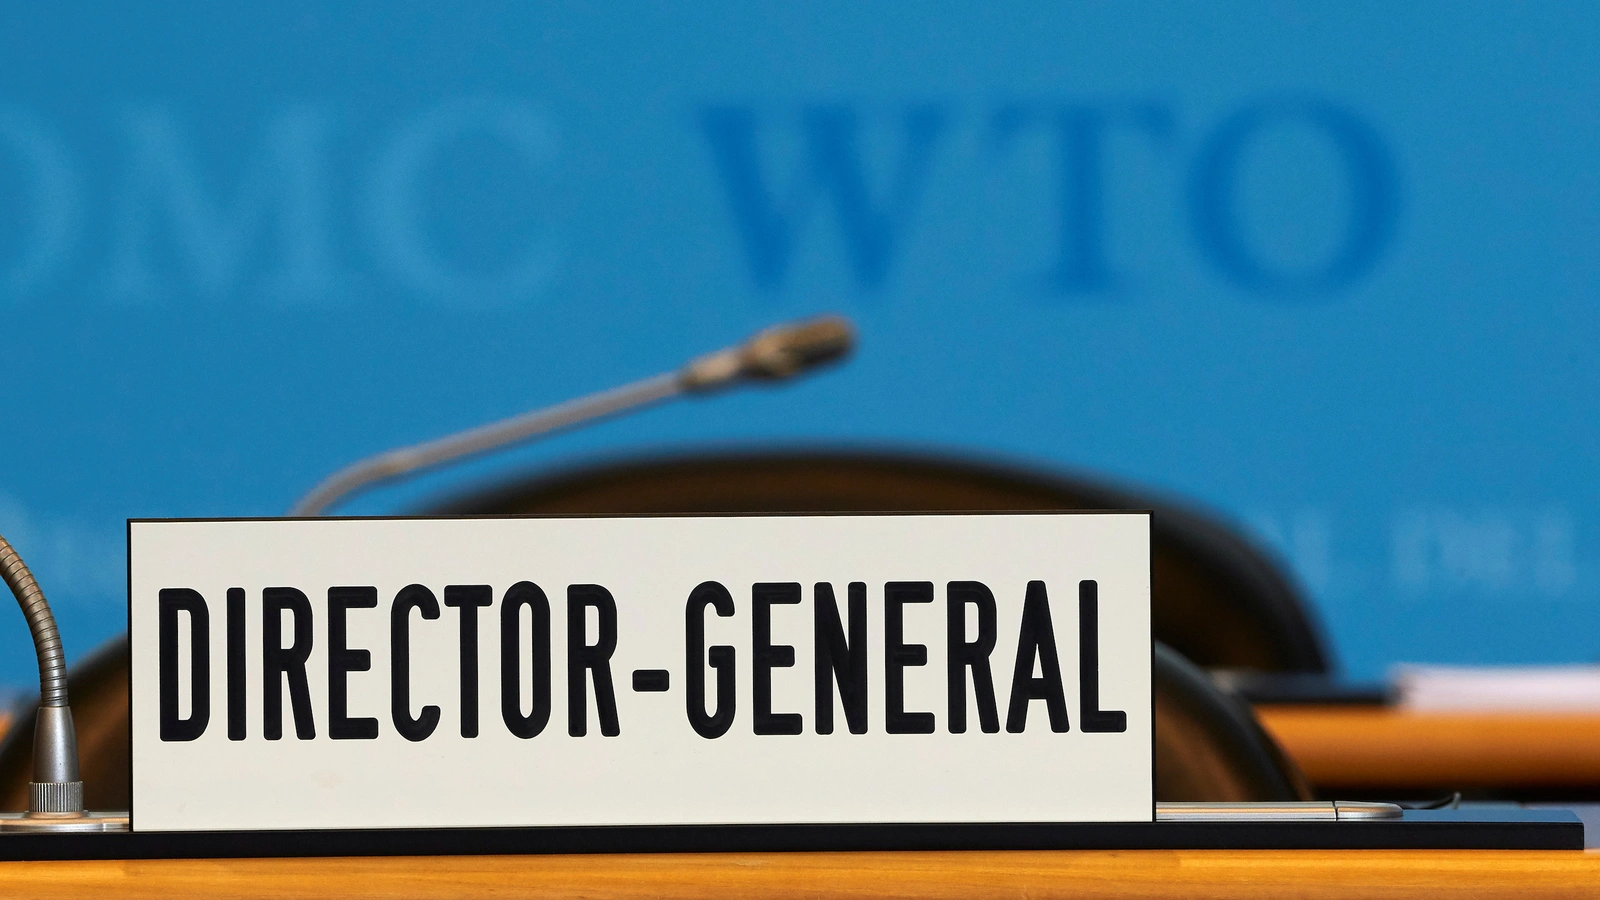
[(1190, 875), (1342, 747)]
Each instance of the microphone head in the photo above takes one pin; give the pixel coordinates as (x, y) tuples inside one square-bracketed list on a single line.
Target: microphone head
[(783, 351), (773, 354)]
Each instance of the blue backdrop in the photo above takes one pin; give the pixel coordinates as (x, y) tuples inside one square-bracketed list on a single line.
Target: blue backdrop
[(1331, 270)]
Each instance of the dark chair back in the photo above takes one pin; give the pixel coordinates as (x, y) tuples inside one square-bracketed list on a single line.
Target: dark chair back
[(1218, 601), (1209, 746)]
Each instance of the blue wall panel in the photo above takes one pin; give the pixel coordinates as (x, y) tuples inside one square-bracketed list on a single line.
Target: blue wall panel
[(1331, 271)]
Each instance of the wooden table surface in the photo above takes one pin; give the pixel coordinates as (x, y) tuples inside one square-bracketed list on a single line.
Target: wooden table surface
[(1080, 875), (1386, 747)]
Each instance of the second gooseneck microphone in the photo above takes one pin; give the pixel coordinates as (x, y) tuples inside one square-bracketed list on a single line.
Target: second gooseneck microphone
[(774, 354)]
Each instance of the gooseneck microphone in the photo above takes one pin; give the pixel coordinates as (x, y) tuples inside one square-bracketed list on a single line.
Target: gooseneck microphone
[(55, 795), (55, 788), (774, 354)]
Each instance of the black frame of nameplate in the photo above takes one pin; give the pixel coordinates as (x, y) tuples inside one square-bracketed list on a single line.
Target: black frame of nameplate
[(1498, 828)]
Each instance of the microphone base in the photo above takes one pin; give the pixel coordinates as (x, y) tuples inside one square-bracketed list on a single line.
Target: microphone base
[(55, 797), (62, 823)]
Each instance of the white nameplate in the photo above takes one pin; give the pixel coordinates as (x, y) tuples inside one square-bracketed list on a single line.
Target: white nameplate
[(428, 673)]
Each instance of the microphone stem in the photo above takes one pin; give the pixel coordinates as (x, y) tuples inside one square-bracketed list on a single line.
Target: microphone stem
[(55, 789), (46, 638), (406, 460)]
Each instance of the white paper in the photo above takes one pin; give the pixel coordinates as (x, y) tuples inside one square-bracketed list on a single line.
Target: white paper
[(1498, 688)]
